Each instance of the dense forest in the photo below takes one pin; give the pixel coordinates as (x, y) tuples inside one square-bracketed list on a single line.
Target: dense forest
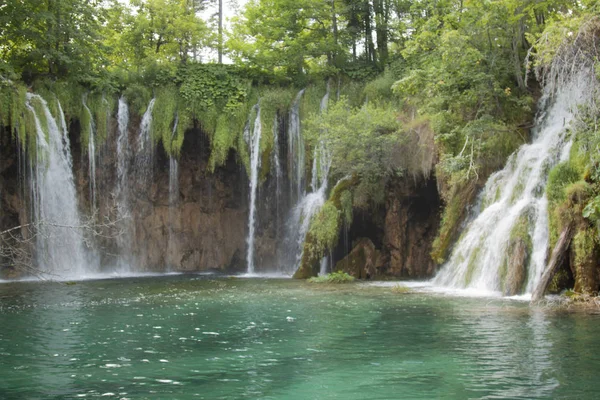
[(418, 88)]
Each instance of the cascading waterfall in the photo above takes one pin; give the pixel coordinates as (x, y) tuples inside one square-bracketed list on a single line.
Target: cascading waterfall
[(60, 249), (91, 156), (145, 151), (296, 151), (254, 145), (122, 188), (513, 195), (308, 205), (123, 153), (277, 165)]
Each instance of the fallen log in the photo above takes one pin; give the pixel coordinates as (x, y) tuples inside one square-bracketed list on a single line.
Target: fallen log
[(557, 258)]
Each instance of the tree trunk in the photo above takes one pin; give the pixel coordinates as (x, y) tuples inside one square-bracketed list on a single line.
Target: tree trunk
[(369, 46), (381, 30), (220, 44), (335, 30), (558, 256)]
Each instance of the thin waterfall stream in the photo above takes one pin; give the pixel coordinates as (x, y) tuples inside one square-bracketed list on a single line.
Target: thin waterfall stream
[(254, 145), (91, 154)]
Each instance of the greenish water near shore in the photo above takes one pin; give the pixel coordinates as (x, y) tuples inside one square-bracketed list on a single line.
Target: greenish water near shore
[(193, 337)]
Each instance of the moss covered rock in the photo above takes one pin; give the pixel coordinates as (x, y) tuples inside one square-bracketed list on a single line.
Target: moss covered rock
[(585, 260), (362, 261)]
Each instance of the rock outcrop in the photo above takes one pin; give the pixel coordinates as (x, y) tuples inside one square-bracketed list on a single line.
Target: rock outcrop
[(412, 214)]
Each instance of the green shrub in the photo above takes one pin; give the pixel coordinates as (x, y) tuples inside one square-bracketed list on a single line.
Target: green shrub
[(334, 277)]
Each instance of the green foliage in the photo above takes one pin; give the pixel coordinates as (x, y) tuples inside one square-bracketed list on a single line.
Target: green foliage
[(458, 195), (401, 289), (12, 107), (228, 134), (205, 87), (138, 97), (380, 89), (560, 177), (346, 203), (163, 116), (334, 277), (324, 229)]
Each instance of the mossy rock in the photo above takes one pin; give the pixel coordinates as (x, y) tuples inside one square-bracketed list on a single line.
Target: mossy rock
[(361, 261), (585, 259)]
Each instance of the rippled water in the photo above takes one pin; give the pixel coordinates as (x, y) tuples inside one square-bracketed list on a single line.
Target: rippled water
[(181, 337)]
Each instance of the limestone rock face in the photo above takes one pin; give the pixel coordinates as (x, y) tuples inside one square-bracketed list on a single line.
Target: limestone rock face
[(411, 223), (518, 258)]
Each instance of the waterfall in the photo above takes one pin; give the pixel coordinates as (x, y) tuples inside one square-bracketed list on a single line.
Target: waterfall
[(309, 205), (122, 187), (173, 191), (277, 165), (296, 151), (60, 252), (513, 195), (123, 153), (91, 156), (145, 156), (254, 145)]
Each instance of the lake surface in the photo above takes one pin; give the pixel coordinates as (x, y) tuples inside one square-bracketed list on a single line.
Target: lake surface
[(197, 337)]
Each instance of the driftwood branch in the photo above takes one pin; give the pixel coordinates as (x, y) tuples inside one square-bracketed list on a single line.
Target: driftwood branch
[(17, 244), (557, 258)]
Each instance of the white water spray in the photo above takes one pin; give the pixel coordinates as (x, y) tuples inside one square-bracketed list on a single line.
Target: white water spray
[(91, 155), (60, 250), (513, 194), (296, 151), (309, 205), (254, 145)]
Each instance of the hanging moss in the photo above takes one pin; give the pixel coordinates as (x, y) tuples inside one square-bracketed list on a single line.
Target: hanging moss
[(322, 236), (585, 257), (346, 205), (310, 103), (101, 108), (138, 97), (230, 126), (86, 124), (163, 116), (37, 105), (12, 107), (185, 121), (452, 216)]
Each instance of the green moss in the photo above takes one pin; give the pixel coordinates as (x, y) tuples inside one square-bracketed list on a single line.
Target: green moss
[(324, 229), (310, 103), (380, 89), (87, 124), (460, 195), (39, 111), (185, 121), (346, 207), (584, 245), (472, 265), (334, 277), (163, 116), (401, 289), (558, 281), (138, 97), (559, 178), (101, 108), (585, 258)]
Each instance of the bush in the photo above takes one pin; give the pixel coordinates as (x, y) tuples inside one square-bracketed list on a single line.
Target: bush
[(334, 277)]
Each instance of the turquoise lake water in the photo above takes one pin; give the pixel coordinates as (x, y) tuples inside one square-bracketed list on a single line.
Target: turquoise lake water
[(197, 337)]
